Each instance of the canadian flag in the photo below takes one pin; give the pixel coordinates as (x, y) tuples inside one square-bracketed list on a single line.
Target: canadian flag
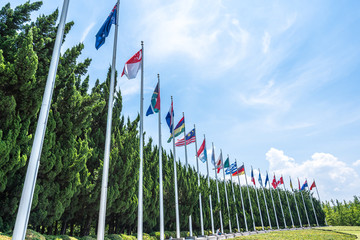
[(132, 66)]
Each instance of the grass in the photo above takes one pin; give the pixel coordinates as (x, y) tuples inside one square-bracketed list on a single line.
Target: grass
[(355, 230), (311, 234)]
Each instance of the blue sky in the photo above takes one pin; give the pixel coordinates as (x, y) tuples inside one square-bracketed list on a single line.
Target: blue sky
[(273, 84)]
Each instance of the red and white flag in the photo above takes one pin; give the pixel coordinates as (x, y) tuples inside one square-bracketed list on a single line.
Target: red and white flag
[(132, 66), (281, 181), (312, 185), (274, 183)]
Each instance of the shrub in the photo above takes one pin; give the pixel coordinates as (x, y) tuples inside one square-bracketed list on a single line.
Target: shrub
[(32, 235), (87, 238), (114, 237)]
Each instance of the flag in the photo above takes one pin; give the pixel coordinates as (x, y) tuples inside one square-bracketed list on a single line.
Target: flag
[(213, 156), (260, 180), (305, 185), (170, 117), (240, 171), (190, 138), (291, 185), (218, 164), (252, 177), (202, 152), (155, 102), (105, 28), (132, 66), (232, 169), (274, 183), (281, 181), (226, 163), (266, 179), (180, 127), (299, 184), (227, 171), (312, 185)]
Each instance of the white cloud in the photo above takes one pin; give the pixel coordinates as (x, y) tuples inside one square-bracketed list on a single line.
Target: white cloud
[(266, 42), (330, 173), (86, 32), (356, 163)]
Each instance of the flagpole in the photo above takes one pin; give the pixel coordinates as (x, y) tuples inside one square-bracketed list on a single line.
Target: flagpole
[(208, 180), (27, 194), (317, 223), (198, 173), (104, 184), (242, 202), (282, 211), (186, 166), (218, 194), (267, 210), (307, 217), (297, 209), (175, 182), (227, 202), (247, 186), (162, 233), (257, 198), (233, 192), (292, 221), (319, 199), (277, 222)]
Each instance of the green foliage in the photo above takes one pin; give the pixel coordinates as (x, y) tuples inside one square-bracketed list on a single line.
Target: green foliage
[(32, 235), (343, 213)]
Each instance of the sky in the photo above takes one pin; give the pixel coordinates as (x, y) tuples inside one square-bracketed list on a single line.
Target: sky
[(273, 84)]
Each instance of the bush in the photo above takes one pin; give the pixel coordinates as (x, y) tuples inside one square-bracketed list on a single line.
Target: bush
[(87, 238), (127, 237), (32, 235), (114, 237)]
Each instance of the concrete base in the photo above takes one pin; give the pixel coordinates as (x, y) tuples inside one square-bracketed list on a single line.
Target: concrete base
[(237, 234), (211, 237), (262, 231)]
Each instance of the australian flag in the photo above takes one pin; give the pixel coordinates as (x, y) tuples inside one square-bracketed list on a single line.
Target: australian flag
[(105, 28)]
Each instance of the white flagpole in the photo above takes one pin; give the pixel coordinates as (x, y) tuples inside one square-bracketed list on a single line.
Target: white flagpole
[(218, 195), (186, 166), (242, 202), (233, 192), (200, 201), (104, 183), (257, 198), (208, 180), (227, 202), (267, 210), (297, 209), (292, 221), (175, 182), (282, 211), (307, 217), (23, 213), (277, 222), (140, 199), (319, 199), (247, 186), (162, 233), (317, 223)]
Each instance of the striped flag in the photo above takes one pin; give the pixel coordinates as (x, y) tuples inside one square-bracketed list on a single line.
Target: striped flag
[(202, 155), (178, 129), (190, 138), (240, 171)]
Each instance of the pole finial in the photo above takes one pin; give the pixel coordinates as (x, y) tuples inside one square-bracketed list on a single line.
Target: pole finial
[(142, 43)]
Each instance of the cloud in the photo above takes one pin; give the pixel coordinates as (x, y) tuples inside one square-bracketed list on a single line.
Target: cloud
[(266, 42), (330, 173), (86, 32), (356, 163)]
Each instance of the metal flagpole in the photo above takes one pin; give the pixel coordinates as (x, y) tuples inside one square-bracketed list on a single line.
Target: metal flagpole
[(247, 186), (317, 223), (140, 204), (307, 217), (282, 211), (218, 195), (233, 192), (23, 213), (186, 166), (175, 182), (242, 203), (104, 184), (297, 209), (267, 210), (277, 222), (292, 221), (257, 198), (162, 233), (319, 200), (200, 202), (227, 202), (208, 178)]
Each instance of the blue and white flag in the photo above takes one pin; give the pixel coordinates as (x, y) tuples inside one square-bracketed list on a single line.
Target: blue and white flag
[(170, 117), (105, 28), (232, 169), (260, 180), (266, 179)]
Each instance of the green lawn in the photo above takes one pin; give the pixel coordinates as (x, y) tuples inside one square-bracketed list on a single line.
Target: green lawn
[(345, 229), (311, 234)]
